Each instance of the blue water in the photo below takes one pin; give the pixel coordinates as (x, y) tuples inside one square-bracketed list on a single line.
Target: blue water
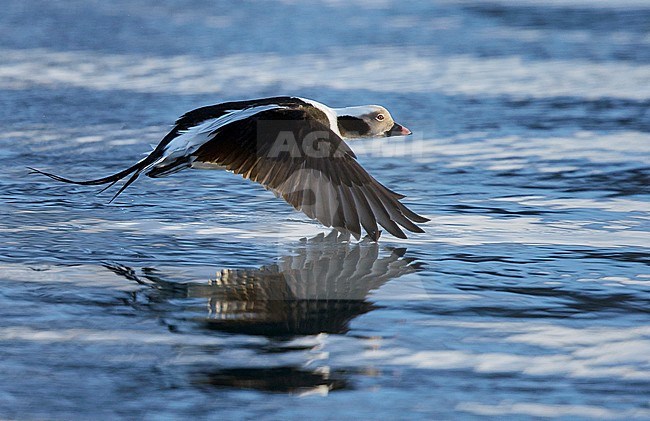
[(201, 295)]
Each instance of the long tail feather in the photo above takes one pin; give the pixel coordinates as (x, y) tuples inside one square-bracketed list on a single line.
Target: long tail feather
[(109, 179), (135, 169), (127, 184), (107, 187)]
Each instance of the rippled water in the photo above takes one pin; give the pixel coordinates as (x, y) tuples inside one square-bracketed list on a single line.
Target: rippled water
[(201, 295)]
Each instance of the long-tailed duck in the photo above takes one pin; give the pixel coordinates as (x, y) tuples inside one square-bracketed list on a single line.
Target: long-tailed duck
[(293, 147)]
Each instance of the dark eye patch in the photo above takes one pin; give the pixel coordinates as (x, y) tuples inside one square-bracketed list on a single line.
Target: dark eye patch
[(348, 124)]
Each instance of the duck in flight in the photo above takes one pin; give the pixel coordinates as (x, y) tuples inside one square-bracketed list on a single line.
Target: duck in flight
[(291, 146)]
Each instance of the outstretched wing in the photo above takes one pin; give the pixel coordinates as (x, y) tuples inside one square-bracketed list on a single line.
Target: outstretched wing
[(294, 154)]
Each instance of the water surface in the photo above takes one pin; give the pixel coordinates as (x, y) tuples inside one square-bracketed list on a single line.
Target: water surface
[(201, 295)]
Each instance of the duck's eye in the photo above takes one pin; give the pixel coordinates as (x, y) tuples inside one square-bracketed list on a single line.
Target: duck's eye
[(380, 117)]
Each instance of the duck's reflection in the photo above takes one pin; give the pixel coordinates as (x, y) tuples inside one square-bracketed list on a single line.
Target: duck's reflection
[(318, 289)]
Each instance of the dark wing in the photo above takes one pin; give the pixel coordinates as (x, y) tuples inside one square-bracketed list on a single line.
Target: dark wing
[(295, 155), (152, 164), (210, 112)]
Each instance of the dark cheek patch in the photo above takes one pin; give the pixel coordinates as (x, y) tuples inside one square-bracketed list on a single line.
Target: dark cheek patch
[(353, 125)]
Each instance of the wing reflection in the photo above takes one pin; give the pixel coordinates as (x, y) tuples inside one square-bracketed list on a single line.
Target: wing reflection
[(273, 379), (320, 288)]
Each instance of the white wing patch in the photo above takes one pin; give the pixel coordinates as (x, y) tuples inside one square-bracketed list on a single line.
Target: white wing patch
[(190, 140)]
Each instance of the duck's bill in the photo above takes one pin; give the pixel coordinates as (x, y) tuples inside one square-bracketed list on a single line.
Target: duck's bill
[(398, 130)]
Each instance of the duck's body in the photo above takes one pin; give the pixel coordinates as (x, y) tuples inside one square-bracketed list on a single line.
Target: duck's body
[(293, 147)]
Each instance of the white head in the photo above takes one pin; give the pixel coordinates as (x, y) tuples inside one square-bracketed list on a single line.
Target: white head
[(368, 121)]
